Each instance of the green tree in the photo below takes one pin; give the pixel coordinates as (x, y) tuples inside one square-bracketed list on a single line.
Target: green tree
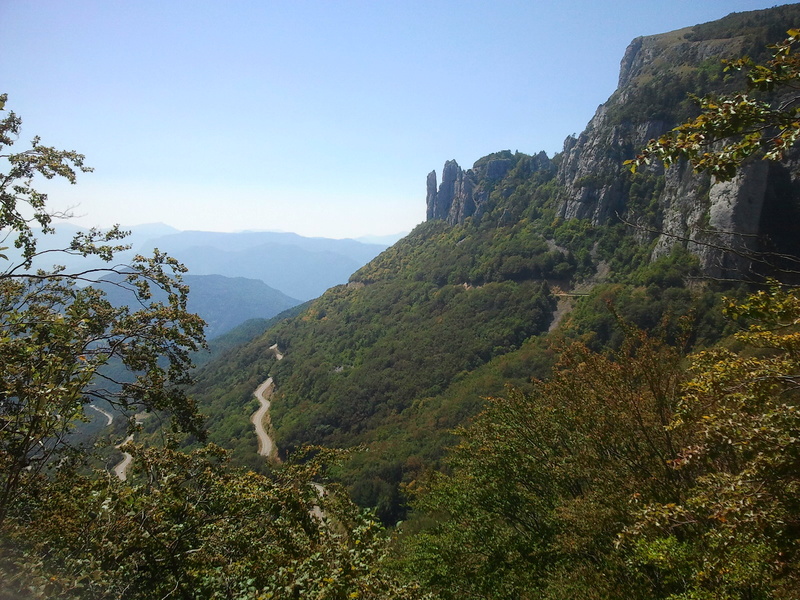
[(731, 128), (640, 474), (734, 533), (185, 525), (540, 485), (190, 526), (57, 333)]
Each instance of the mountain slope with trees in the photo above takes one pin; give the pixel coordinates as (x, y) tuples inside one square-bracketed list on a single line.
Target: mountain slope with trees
[(392, 360), (185, 524), (644, 472)]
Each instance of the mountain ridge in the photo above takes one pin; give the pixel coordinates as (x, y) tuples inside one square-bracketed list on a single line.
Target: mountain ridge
[(298, 266)]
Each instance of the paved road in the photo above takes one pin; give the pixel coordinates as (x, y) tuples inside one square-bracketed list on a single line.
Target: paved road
[(121, 468), (105, 413), (265, 443), (266, 446)]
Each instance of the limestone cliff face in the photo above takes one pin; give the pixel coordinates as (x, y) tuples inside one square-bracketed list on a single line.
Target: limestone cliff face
[(657, 73), (454, 200), (591, 170), (463, 194)]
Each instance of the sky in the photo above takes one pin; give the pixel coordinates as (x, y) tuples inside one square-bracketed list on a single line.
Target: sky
[(318, 117)]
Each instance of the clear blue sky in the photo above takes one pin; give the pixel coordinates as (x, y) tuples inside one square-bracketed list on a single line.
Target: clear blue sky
[(319, 117)]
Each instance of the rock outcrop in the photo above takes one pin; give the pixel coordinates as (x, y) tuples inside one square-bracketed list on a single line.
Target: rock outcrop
[(657, 74), (454, 200), (463, 194)]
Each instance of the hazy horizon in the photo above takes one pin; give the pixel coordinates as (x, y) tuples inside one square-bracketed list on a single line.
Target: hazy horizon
[(59, 223)]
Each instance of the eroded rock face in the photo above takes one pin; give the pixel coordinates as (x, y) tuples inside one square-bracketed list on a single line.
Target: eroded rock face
[(454, 200), (734, 216), (463, 194), (707, 218), (430, 198), (592, 170), (498, 168)]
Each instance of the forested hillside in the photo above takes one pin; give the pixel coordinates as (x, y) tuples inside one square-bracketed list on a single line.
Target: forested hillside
[(459, 308)]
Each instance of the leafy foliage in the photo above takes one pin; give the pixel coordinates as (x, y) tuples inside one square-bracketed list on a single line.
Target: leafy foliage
[(734, 127), (541, 482), (193, 527), (734, 532), (21, 203), (56, 337), (632, 470), (187, 523), (628, 475)]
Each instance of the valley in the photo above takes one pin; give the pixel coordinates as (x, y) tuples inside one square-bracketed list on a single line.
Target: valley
[(462, 314)]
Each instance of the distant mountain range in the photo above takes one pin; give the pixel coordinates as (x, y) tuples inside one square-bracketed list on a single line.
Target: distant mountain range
[(298, 266), (222, 302), (233, 276)]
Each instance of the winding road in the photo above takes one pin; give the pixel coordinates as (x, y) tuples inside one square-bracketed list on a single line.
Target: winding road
[(105, 413), (121, 468), (266, 447), (265, 443)]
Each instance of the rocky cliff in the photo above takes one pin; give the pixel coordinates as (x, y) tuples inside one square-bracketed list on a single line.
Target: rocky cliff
[(657, 75), (464, 194)]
